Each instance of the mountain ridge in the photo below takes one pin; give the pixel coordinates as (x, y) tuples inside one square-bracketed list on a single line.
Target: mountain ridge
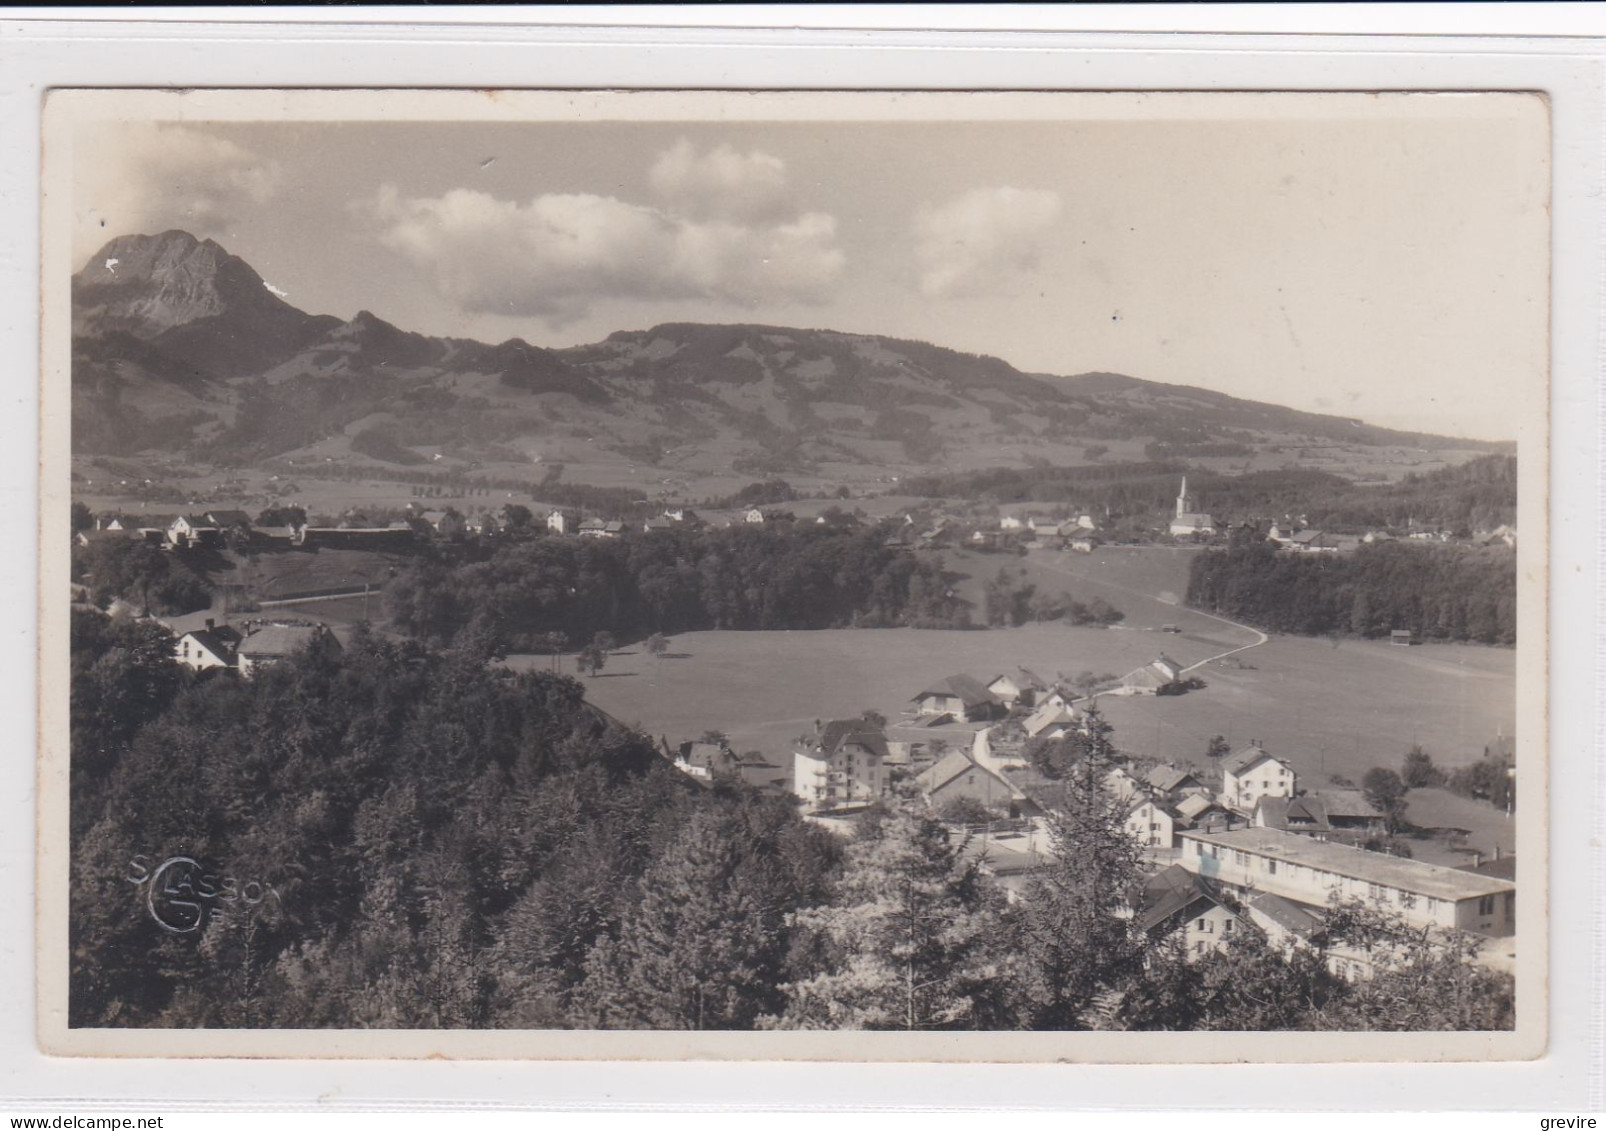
[(189, 343)]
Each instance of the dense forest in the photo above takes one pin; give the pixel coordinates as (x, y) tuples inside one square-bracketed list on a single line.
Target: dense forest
[(393, 837), (1478, 495), (1437, 591), (773, 577)]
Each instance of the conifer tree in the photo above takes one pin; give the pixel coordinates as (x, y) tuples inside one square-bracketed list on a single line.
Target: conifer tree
[(1075, 938), (916, 940), (702, 947)]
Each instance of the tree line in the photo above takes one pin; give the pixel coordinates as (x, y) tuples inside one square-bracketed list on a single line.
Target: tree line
[(1436, 591), (781, 577), (1477, 495), (387, 836)]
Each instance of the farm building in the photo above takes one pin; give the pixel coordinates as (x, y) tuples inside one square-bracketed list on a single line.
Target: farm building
[(271, 643), (962, 696), (1152, 676), (958, 775)]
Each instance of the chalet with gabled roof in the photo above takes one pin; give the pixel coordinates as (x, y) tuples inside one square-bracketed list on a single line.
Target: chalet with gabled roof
[(962, 696)]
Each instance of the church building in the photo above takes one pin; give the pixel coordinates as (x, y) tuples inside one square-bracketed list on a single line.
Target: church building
[(1189, 521)]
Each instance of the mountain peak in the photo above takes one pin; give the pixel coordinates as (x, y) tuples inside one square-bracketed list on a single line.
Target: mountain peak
[(148, 284)]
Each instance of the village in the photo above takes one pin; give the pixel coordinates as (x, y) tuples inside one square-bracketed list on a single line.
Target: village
[(1240, 845)]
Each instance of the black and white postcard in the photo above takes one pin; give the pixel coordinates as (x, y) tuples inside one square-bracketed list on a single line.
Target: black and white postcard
[(902, 576)]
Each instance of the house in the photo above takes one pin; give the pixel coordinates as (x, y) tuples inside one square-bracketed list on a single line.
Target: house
[(1308, 541), (1204, 813), (957, 775), (563, 520), (192, 530), (842, 764), (759, 772), (1285, 924), (447, 523), (270, 643), (1250, 774), (1149, 822), (1187, 521), (94, 537), (1058, 697), (1011, 522), (1341, 811), (1051, 720), (1175, 899), (601, 528), (111, 520), (211, 647), (1314, 873), (919, 742), (1152, 676), (1502, 535), (1175, 782), (652, 525), (1349, 811), (1021, 689), (1123, 785), (962, 696), (229, 519), (1083, 545), (1401, 636)]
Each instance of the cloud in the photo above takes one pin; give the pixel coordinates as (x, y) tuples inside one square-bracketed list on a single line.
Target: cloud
[(557, 254), (149, 177), (982, 241), (721, 184)]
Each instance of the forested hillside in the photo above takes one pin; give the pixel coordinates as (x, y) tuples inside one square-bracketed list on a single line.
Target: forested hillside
[(1437, 591), (391, 837)]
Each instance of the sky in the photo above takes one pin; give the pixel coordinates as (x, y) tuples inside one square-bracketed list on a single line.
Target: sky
[(1384, 258)]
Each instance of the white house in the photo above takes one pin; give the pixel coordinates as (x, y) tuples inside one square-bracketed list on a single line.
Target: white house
[(209, 647), (1149, 823), (562, 520), (843, 763), (1175, 899), (1050, 720), (191, 530), (1251, 774), (1152, 676)]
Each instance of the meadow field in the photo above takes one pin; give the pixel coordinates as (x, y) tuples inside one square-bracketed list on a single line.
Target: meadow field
[(1330, 710)]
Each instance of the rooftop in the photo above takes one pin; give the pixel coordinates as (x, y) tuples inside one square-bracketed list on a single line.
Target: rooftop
[(1356, 863)]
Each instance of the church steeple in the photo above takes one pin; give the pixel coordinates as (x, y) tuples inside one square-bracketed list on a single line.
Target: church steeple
[(1184, 504)]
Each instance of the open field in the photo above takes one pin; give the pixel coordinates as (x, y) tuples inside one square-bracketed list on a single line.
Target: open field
[(1147, 583), (1331, 710), (764, 688), (1334, 709)]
